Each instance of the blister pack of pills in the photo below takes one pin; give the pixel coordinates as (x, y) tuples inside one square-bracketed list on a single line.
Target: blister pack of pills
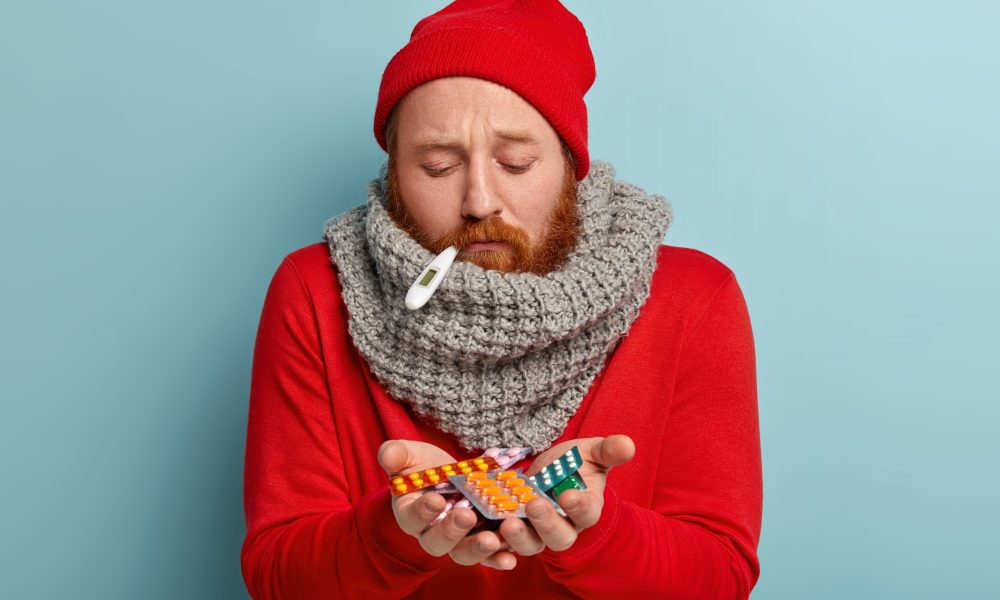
[(499, 495), (404, 484), (560, 475), (489, 486)]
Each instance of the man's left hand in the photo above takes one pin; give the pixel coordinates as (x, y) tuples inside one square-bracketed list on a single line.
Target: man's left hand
[(583, 509)]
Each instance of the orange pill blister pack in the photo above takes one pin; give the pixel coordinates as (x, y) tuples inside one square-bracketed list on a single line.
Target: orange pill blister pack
[(500, 495), (437, 476)]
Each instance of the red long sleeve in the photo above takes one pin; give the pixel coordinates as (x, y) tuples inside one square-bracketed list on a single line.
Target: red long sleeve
[(681, 520), (699, 539), (315, 543)]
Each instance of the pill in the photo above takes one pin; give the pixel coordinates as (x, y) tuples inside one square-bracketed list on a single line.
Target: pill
[(490, 491), (401, 487), (493, 452), (500, 498), (526, 497), (508, 506), (397, 481), (505, 475), (476, 476), (513, 483)]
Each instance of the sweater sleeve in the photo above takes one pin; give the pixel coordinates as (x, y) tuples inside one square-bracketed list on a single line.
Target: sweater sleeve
[(305, 538), (699, 538)]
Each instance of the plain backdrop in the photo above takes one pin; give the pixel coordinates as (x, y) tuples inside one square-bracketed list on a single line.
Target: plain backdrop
[(159, 159)]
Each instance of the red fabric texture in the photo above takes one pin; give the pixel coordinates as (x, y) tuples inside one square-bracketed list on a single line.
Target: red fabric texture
[(681, 520), (536, 48)]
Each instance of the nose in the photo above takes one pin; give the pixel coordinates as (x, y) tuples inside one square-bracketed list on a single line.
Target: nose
[(481, 201)]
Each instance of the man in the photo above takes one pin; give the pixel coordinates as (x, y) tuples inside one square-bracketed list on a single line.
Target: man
[(564, 322)]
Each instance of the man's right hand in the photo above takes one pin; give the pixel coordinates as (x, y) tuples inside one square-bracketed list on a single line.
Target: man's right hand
[(416, 512)]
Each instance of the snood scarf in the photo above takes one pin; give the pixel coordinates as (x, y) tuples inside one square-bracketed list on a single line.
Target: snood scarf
[(494, 358)]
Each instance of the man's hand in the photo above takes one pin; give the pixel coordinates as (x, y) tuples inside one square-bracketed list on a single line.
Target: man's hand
[(416, 512), (583, 508)]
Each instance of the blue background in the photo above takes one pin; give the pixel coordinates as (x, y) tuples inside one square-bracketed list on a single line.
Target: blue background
[(157, 160)]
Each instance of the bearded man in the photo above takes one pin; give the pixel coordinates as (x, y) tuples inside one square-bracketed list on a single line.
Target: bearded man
[(565, 321)]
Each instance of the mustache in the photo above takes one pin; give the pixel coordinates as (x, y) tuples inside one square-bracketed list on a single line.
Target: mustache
[(494, 229)]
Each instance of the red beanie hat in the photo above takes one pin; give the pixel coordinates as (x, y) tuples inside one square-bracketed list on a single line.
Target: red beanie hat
[(537, 48)]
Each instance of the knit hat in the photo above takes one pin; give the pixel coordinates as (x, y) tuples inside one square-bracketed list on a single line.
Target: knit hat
[(537, 48)]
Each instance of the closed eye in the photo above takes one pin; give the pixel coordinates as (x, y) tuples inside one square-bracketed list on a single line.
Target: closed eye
[(516, 168)]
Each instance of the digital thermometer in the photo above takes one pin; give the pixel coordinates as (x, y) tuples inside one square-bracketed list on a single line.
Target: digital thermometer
[(430, 278)]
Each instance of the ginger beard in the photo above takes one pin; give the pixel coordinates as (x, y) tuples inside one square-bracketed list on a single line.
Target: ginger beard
[(520, 256)]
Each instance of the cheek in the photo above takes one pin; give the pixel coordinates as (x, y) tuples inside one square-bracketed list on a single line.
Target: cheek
[(430, 205), (532, 206)]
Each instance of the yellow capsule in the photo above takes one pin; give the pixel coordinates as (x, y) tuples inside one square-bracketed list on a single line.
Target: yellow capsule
[(513, 483), (463, 464), (466, 470), (430, 471), (448, 469), (499, 498), (525, 498), (434, 477), (418, 482), (504, 475), (490, 491), (521, 489), (483, 467), (478, 461), (414, 475), (476, 476), (508, 506), (397, 481), (484, 483), (401, 487)]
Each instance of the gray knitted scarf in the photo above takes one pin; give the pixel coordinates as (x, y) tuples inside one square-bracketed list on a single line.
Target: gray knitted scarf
[(499, 359)]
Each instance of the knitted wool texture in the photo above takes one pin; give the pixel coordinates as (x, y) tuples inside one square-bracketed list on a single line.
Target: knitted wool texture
[(499, 359)]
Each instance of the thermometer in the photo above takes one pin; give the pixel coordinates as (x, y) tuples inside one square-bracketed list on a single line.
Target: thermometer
[(430, 278)]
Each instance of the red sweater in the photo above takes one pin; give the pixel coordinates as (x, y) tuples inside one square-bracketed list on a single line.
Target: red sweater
[(681, 520)]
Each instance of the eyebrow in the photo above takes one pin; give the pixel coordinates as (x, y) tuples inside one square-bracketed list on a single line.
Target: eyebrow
[(515, 136), (440, 143)]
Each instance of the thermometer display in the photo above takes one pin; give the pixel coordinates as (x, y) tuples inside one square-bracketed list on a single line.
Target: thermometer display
[(428, 277)]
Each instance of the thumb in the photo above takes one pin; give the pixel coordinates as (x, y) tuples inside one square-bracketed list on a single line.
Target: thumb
[(398, 455), (613, 450)]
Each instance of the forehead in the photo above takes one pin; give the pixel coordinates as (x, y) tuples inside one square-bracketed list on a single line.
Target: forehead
[(456, 106)]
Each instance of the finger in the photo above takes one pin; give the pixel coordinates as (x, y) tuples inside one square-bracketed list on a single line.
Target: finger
[(613, 451), (443, 537), (581, 508), (521, 538), (501, 560), (415, 516), (396, 455), (554, 531), (476, 548)]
